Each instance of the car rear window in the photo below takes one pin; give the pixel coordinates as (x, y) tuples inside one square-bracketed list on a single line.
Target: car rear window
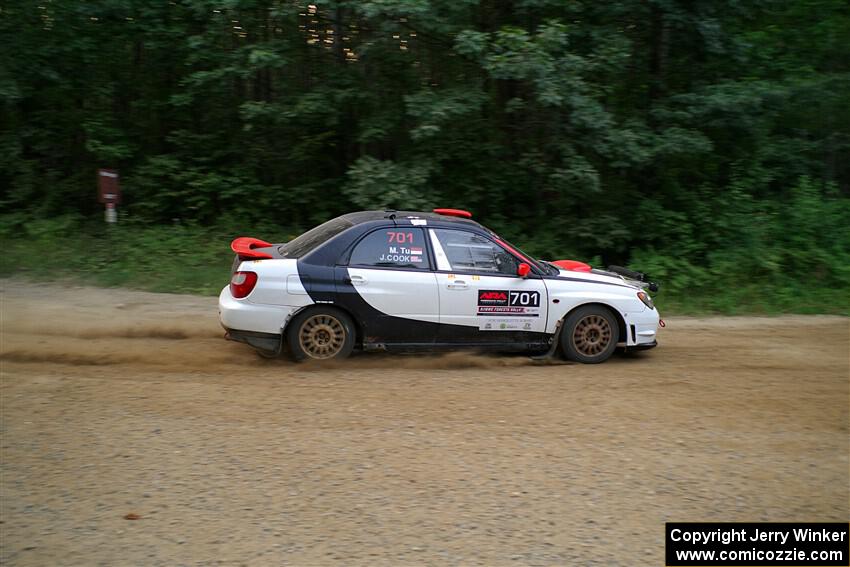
[(394, 247), (314, 237)]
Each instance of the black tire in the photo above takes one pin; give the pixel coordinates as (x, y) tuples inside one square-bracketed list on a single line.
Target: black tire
[(590, 334), (320, 333)]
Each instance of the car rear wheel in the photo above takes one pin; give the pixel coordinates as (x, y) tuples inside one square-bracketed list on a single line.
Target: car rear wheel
[(320, 334), (590, 334)]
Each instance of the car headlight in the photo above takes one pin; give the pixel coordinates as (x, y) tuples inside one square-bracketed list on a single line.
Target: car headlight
[(643, 296)]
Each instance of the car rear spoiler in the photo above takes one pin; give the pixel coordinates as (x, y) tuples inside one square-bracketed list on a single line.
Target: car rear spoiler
[(245, 248)]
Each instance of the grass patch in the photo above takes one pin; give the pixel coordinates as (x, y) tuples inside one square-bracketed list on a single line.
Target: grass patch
[(174, 259)]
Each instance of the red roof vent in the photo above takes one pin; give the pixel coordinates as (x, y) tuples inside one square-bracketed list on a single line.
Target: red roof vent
[(454, 213), (244, 247)]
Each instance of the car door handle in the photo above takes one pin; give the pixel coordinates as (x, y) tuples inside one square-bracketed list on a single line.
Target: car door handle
[(458, 284), (357, 280)]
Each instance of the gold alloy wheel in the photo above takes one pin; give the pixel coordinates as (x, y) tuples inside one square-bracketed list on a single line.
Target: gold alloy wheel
[(592, 335), (321, 336)]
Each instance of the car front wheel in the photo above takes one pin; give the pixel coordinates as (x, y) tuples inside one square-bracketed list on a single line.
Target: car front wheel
[(590, 334), (320, 334)]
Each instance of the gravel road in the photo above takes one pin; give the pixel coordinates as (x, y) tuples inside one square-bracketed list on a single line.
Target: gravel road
[(117, 404)]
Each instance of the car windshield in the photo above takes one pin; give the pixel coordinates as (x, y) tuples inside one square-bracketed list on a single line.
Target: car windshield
[(314, 237)]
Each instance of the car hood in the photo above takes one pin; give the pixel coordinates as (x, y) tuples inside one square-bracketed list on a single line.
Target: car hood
[(596, 276)]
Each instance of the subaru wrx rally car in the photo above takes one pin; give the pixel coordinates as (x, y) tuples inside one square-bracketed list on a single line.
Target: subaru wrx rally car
[(402, 281)]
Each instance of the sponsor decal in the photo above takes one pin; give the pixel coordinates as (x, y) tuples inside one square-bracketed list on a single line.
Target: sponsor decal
[(505, 325), (490, 297), (494, 302), (490, 309)]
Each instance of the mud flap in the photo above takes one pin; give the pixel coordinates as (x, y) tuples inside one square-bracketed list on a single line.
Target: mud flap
[(549, 355), (270, 345)]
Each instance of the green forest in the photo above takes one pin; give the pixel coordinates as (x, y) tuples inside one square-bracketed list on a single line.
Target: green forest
[(705, 142)]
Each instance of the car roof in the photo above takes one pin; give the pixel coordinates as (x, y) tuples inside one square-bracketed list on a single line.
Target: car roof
[(362, 222), (360, 217)]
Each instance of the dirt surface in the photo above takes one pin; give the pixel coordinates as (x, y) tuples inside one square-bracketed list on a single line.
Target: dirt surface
[(119, 404)]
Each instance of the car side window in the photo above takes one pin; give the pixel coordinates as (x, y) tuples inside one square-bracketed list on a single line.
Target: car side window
[(392, 247), (471, 252)]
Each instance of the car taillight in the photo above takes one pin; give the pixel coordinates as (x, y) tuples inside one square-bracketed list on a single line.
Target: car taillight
[(242, 283)]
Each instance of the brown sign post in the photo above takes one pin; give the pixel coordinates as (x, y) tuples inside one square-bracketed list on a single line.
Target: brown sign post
[(109, 192)]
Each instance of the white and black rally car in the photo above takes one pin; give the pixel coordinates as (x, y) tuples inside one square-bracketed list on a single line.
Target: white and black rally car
[(399, 280)]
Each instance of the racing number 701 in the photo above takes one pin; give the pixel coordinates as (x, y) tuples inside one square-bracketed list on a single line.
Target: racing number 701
[(525, 298), (400, 237)]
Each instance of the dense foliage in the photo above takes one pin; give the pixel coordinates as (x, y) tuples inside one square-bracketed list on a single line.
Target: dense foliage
[(706, 141)]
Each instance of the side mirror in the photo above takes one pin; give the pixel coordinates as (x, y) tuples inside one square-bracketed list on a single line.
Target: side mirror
[(522, 270)]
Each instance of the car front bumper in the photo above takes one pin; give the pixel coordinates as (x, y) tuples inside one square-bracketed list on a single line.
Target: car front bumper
[(642, 329), (642, 346)]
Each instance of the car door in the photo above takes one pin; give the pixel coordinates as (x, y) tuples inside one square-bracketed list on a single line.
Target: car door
[(391, 288), (482, 299)]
